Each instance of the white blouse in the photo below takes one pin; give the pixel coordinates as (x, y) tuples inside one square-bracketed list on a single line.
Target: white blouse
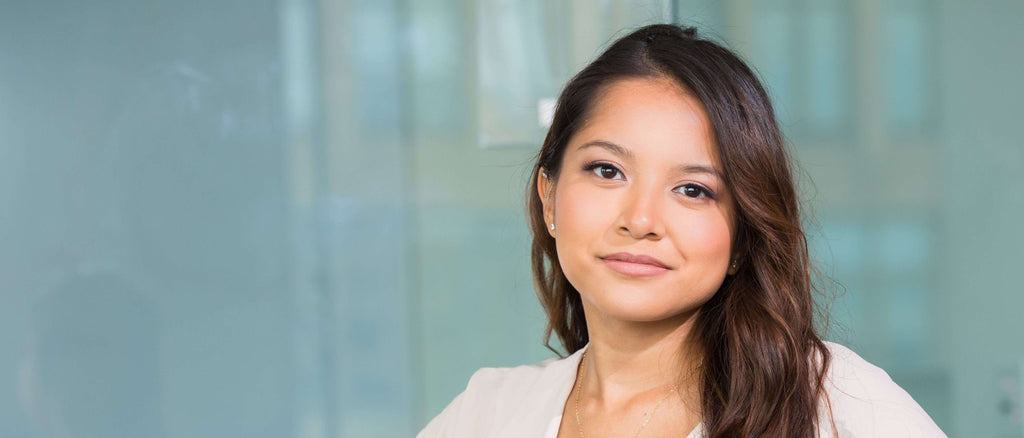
[(527, 401)]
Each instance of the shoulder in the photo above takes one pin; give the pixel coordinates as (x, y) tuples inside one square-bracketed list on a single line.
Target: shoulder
[(492, 375), (504, 379), (494, 395), (505, 386), (866, 402)]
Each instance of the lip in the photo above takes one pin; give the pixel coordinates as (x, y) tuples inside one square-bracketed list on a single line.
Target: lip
[(635, 265)]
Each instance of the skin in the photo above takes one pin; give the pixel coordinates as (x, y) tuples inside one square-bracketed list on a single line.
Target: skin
[(641, 204)]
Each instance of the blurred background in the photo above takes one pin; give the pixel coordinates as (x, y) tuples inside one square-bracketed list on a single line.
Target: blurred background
[(304, 218)]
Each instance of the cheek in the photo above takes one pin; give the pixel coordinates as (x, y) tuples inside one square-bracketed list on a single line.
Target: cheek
[(704, 236), (582, 216), (580, 212)]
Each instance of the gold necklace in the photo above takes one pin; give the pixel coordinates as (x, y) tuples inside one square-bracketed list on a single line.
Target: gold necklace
[(579, 424)]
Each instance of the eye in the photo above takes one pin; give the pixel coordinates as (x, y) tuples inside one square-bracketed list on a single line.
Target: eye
[(604, 170), (692, 190)]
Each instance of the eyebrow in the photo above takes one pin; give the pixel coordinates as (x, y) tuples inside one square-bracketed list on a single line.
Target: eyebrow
[(623, 152)]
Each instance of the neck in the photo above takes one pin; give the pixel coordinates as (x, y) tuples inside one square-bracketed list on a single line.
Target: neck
[(627, 360)]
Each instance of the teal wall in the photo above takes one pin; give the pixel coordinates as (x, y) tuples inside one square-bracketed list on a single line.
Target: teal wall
[(305, 217)]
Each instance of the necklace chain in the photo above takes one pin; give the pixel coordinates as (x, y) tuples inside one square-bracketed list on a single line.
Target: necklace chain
[(579, 389)]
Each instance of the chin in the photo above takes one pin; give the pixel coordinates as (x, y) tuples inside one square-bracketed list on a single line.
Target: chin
[(640, 310)]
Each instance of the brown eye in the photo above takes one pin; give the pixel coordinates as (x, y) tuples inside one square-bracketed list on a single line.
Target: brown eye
[(603, 170), (695, 191)]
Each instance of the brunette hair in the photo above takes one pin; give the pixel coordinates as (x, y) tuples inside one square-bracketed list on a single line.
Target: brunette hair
[(756, 334)]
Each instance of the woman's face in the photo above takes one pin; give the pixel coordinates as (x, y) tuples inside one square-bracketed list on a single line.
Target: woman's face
[(642, 178)]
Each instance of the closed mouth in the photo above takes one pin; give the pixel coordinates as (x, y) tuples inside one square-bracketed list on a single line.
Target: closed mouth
[(636, 258)]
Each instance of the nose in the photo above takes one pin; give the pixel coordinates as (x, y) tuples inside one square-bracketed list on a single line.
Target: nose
[(641, 215)]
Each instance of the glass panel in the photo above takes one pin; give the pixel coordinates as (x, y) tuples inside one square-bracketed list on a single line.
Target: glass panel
[(526, 51), (772, 53), (905, 55), (521, 62), (144, 221), (827, 54)]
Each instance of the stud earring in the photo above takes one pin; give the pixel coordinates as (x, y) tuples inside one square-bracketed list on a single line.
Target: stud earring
[(544, 174), (552, 227)]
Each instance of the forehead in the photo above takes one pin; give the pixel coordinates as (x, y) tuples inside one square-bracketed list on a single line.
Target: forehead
[(655, 117)]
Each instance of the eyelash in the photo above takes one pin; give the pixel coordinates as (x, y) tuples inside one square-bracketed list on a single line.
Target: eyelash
[(589, 167)]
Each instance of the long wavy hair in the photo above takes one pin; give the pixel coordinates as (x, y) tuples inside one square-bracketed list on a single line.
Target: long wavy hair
[(764, 364)]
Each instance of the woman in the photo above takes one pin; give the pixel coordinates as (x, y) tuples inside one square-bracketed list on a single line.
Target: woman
[(669, 256)]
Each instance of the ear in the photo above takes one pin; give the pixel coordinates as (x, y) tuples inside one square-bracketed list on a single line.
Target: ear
[(544, 191)]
